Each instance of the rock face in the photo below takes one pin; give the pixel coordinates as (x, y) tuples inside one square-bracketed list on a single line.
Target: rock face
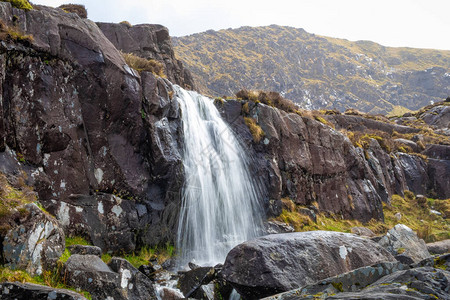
[(101, 142), (119, 279), (402, 240), (277, 263), (150, 42), (16, 290), (35, 243)]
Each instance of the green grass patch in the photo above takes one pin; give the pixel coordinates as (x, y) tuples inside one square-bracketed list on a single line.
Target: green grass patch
[(52, 279), (415, 214), (143, 256), (77, 240)]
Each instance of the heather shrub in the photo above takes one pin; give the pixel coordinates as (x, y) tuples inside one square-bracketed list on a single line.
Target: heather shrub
[(78, 9), (144, 65)]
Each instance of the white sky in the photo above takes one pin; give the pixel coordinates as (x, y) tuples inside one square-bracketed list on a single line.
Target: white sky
[(409, 23)]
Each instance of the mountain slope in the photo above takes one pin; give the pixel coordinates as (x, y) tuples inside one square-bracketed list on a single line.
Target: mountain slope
[(315, 71)]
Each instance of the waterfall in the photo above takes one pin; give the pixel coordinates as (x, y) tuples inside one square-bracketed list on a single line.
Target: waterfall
[(220, 201)]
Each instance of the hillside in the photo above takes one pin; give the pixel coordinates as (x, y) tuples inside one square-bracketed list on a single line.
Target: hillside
[(314, 71)]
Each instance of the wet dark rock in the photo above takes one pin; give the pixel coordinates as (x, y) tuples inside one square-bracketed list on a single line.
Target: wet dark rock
[(281, 262), (94, 132), (190, 282), (440, 247), (403, 240), (136, 284), (119, 279), (85, 250), (151, 42), (148, 270), (34, 243), (29, 291)]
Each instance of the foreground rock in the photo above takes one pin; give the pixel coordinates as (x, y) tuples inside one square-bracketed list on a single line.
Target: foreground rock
[(419, 283), (282, 262), (427, 279), (402, 242), (29, 291), (119, 280), (35, 243)]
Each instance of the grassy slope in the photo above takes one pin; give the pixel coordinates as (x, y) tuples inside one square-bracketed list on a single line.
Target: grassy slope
[(333, 72)]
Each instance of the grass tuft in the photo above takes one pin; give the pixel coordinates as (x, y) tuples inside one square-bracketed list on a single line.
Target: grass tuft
[(255, 129), (144, 65)]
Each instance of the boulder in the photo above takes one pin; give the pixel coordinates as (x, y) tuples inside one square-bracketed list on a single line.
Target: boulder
[(35, 243), (273, 227), (281, 262), (190, 282), (85, 250), (417, 283), (135, 284), (29, 291), (402, 240), (120, 280), (348, 282), (440, 247), (362, 231)]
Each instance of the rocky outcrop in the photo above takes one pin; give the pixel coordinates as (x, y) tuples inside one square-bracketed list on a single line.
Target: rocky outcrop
[(118, 280), (150, 42), (99, 141), (418, 283), (281, 262), (34, 243), (347, 282), (307, 161), (16, 290), (423, 280), (402, 242)]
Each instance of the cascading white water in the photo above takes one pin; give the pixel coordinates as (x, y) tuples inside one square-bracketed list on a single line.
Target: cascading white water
[(220, 205)]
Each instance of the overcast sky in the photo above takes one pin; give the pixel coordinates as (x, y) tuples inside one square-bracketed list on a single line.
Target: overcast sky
[(410, 23)]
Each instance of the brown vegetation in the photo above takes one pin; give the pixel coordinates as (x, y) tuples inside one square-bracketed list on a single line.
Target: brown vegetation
[(273, 99), (78, 9), (12, 34), (144, 65)]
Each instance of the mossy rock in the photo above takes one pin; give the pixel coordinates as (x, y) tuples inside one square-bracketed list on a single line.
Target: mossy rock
[(21, 4)]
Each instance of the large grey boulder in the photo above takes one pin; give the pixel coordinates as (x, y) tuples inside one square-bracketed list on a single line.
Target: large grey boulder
[(29, 291), (281, 262), (348, 282), (402, 240), (35, 243), (120, 280)]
